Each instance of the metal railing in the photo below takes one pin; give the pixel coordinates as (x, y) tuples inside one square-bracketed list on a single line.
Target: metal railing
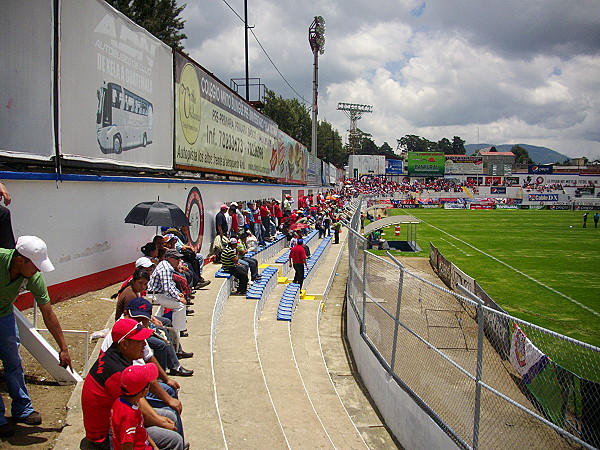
[(488, 379)]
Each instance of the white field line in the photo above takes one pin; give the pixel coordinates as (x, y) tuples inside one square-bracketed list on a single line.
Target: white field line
[(456, 247), (518, 271)]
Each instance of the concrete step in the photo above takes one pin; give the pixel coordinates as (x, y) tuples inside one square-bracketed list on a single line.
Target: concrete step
[(249, 420), (300, 422)]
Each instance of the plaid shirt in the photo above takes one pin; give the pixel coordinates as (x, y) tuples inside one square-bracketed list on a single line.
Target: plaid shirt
[(161, 280)]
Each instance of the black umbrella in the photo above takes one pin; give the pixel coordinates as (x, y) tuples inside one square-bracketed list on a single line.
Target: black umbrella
[(159, 214)]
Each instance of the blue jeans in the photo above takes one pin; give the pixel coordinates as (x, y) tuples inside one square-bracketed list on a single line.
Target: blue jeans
[(13, 369), (157, 403)]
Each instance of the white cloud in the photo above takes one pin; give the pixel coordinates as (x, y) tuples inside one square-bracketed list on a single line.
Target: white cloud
[(520, 72)]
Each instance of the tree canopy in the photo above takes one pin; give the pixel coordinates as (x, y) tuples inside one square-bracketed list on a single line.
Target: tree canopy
[(521, 155), (413, 143), (291, 116), (159, 17)]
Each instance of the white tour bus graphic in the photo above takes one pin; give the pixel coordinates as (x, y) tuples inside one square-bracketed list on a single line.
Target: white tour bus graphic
[(124, 119)]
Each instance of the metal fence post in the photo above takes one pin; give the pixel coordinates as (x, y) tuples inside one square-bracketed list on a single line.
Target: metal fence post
[(363, 324), (477, 412), (397, 321)]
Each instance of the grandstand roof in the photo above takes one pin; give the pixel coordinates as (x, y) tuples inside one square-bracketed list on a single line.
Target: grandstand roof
[(497, 153)]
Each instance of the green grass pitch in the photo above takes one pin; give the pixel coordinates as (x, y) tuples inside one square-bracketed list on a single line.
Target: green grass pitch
[(551, 247)]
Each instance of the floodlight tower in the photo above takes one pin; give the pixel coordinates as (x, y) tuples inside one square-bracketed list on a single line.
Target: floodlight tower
[(316, 38), (354, 112)]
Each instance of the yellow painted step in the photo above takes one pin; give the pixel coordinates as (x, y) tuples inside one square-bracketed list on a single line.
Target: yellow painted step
[(309, 297), (282, 280), (263, 266)]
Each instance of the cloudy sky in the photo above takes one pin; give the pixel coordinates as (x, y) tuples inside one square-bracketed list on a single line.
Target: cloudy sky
[(493, 72)]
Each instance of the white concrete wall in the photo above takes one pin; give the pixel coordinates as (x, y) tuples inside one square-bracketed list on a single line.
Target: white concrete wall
[(82, 218), (413, 428)]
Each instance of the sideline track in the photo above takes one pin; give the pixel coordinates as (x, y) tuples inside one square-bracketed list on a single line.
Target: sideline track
[(529, 277)]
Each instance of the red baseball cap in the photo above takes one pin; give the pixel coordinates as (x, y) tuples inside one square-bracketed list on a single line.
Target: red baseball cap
[(129, 329), (134, 379)]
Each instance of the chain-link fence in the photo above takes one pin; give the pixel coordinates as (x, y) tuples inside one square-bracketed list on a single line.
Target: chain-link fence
[(488, 379)]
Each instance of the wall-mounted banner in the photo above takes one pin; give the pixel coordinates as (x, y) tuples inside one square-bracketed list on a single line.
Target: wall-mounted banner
[(426, 164), (311, 171), (325, 174), (116, 89), (332, 174), (216, 130), (292, 159), (543, 197), (539, 169), (462, 164), (26, 115), (498, 190), (393, 167)]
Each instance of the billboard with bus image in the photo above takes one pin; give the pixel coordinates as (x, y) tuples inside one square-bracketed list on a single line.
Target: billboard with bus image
[(123, 119)]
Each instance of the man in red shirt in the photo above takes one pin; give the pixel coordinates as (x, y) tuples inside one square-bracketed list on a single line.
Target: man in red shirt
[(298, 261), (277, 212), (102, 386)]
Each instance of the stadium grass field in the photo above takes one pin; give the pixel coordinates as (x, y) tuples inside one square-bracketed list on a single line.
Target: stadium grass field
[(554, 262)]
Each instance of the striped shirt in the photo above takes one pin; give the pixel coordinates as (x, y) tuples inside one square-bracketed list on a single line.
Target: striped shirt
[(228, 257)]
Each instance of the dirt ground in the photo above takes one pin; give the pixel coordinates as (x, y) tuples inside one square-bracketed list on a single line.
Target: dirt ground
[(89, 312)]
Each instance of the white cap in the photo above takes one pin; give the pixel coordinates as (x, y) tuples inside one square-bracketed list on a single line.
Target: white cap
[(144, 261), (35, 249)]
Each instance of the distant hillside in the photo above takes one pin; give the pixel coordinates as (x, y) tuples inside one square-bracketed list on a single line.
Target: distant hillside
[(540, 155)]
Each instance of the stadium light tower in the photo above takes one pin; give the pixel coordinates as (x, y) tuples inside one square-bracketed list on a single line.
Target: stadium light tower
[(354, 112), (316, 38)]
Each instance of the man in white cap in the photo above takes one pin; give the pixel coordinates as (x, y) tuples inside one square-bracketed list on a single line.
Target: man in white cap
[(19, 271)]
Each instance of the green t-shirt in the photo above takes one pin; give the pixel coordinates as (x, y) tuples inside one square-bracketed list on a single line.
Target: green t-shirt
[(9, 291)]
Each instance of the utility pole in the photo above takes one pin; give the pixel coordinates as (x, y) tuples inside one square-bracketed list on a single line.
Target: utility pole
[(354, 112), (246, 50), (316, 38)]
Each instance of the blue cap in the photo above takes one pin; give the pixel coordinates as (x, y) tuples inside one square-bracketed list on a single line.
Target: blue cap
[(163, 229), (139, 307)]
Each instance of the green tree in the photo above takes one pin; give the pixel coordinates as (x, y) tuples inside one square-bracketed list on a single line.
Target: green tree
[(159, 17), (329, 143), (413, 143), (386, 150), (458, 146), (521, 155), (444, 145), (291, 116), (367, 145)]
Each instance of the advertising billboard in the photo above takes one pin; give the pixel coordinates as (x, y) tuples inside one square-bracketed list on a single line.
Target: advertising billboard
[(116, 89), (216, 130), (311, 170), (325, 174), (462, 164), (332, 174), (366, 164), (426, 164), (393, 167), (26, 80), (536, 169), (543, 197)]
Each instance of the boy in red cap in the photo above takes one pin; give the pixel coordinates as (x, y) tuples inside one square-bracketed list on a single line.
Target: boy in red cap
[(126, 421)]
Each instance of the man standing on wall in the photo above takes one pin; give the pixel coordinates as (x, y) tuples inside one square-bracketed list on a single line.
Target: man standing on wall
[(19, 271)]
